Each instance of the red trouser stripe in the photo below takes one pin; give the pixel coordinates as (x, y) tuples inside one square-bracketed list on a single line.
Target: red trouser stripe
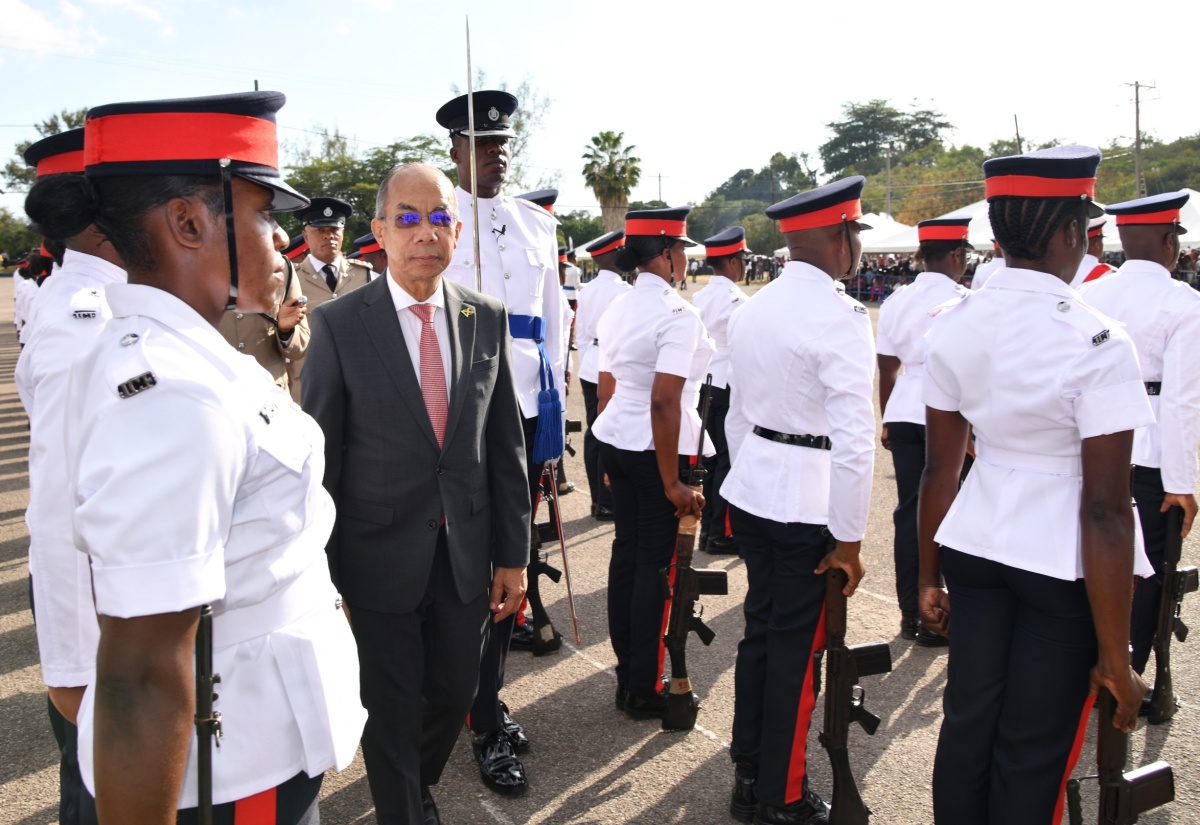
[(1073, 759), (255, 810), (798, 765), (728, 526), (662, 647)]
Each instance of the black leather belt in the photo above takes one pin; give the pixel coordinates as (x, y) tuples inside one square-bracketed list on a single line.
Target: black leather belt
[(1154, 388), (816, 442)]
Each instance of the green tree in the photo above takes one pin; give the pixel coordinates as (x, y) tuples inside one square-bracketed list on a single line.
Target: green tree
[(16, 173), (579, 226), (862, 137), (611, 170), (15, 237)]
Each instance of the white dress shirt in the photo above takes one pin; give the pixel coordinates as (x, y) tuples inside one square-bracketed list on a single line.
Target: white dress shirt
[(410, 325), (594, 298), (803, 361), (1086, 267), (1035, 370), (518, 252), (1162, 316), (648, 330), (984, 272), (904, 319), (571, 281), (71, 315), (203, 486), (716, 303)]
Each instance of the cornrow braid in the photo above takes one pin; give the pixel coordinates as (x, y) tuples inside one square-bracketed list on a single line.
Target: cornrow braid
[(1024, 226)]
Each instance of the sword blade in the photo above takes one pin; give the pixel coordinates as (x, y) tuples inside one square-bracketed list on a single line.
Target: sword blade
[(562, 544), (471, 143)]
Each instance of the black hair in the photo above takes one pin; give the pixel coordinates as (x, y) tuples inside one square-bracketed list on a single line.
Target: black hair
[(930, 251), (55, 248), (1024, 226), (641, 248), (715, 260), (68, 204)]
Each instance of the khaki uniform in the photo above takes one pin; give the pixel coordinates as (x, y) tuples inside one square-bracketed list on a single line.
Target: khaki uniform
[(252, 334), (351, 275)]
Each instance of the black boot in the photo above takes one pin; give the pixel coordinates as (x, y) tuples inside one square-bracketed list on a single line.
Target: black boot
[(745, 798)]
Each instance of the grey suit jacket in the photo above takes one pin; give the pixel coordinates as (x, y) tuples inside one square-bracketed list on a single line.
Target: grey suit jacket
[(389, 480)]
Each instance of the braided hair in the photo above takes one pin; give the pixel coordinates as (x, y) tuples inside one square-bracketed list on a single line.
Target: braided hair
[(1024, 226), (641, 248), (930, 251)]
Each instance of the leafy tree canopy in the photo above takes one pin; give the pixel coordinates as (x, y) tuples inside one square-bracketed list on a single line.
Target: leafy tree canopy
[(862, 137), (16, 173)]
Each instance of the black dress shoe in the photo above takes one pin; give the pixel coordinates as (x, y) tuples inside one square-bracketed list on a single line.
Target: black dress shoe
[(522, 637), (744, 804), (565, 487), (429, 807), (602, 513), (515, 732), (927, 638), (909, 625), (620, 697), (639, 707), (722, 545), (546, 640), (499, 767), (811, 810)]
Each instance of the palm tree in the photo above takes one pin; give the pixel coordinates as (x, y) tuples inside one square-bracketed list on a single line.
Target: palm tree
[(611, 171)]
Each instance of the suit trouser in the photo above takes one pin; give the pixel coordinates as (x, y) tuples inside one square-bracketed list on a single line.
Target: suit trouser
[(486, 715), (1021, 648), (908, 459), (643, 545), (592, 462), (715, 523), (426, 659), (1148, 494), (774, 694)]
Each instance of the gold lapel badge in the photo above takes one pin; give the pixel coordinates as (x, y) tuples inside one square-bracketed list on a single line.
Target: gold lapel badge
[(468, 311)]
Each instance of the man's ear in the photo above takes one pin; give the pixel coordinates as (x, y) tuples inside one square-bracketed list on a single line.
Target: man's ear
[(377, 227), (454, 153), (189, 222)]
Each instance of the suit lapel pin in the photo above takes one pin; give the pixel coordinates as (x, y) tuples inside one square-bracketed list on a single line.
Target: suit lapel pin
[(468, 311)]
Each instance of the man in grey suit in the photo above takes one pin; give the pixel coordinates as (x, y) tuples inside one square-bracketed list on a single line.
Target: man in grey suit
[(410, 377)]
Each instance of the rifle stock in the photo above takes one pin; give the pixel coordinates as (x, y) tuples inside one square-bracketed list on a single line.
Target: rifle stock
[(1177, 582), (1125, 796)]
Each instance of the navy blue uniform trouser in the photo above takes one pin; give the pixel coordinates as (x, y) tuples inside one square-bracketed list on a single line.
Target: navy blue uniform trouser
[(592, 462), (292, 803), (643, 546), (908, 459), (715, 523), (774, 693), (1148, 494), (1021, 648)]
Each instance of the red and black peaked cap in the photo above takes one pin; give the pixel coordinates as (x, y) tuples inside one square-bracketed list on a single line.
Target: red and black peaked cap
[(670, 222), (944, 229), (836, 202), (59, 154), (1058, 172), (366, 244), (190, 136), (1156, 209), (726, 242), (544, 198)]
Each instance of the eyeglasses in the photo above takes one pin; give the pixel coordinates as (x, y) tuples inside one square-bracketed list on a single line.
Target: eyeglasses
[(438, 217)]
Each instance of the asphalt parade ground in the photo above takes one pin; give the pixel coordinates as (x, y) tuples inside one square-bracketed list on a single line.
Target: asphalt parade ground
[(589, 763)]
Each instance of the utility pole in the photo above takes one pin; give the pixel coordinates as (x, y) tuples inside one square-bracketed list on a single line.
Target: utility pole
[(1017, 126), (660, 187), (256, 85), (1139, 185), (888, 180)]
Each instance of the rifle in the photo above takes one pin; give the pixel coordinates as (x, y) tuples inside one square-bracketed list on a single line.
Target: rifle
[(207, 720), (844, 699), (1177, 582), (546, 638), (690, 584), (1123, 796)]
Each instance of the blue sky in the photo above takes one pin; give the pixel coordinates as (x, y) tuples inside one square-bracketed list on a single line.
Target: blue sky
[(701, 95)]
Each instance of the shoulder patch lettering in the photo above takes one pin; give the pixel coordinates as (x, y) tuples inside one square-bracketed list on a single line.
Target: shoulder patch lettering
[(1100, 337), (84, 314), (130, 388), (860, 308)]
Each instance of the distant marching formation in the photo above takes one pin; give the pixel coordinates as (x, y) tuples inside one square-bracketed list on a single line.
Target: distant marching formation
[(231, 592)]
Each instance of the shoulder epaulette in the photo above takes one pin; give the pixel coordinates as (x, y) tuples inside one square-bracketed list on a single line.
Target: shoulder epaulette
[(1090, 324)]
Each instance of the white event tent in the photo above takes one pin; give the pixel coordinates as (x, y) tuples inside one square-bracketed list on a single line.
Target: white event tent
[(882, 228)]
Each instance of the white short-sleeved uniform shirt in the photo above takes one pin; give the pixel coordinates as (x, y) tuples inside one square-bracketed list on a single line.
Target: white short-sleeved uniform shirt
[(1035, 371), (71, 315), (716, 303), (984, 272), (648, 330), (571, 278), (518, 255), (803, 363), (594, 298), (203, 486), (1162, 316), (25, 290), (904, 319)]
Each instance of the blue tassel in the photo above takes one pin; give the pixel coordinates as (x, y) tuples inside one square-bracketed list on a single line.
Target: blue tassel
[(548, 438)]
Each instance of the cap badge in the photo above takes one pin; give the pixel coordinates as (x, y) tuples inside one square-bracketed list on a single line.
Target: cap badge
[(493, 114), (328, 211)]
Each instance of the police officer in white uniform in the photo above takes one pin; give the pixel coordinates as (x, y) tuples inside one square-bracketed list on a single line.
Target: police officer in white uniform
[(726, 253), (1090, 268), (654, 355), (904, 319), (802, 360), (71, 313), (518, 250), (594, 298), (984, 272), (1162, 316), (1038, 547), (197, 481)]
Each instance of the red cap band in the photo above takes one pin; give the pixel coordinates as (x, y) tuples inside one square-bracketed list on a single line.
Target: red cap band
[(45, 253), (302, 249), (562, 259), (830, 215), (63, 164), (718, 251), (1030, 186), (1166, 216), (941, 233), (169, 136), (655, 226), (612, 247), (1096, 233), (369, 248), (549, 207)]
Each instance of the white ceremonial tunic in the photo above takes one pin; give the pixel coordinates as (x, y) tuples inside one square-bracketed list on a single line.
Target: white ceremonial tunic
[(518, 251), (1162, 316), (1034, 370), (594, 298), (24, 291), (204, 487), (904, 319), (803, 361), (1086, 267), (648, 330), (716, 303), (984, 272), (570, 285), (71, 315)]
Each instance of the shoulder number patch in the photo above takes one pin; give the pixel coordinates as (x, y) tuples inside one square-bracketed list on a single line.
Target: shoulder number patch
[(133, 386), (860, 308), (1099, 338), (84, 314)]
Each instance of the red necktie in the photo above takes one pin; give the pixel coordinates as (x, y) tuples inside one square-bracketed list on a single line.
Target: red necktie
[(433, 375)]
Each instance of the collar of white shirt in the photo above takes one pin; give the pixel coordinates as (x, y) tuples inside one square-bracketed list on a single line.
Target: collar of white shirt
[(607, 275), (317, 263), (1146, 268), (93, 267), (1030, 280), (799, 269), (932, 278), (403, 300), (648, 280)]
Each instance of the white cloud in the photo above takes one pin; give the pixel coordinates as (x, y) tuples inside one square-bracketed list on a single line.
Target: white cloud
[(26, 28), (146, 11)]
